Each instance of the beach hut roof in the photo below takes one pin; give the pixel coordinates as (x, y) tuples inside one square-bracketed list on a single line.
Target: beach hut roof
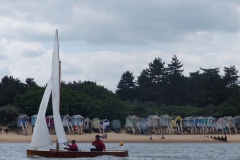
[(198, 117), (153, 117), (164, 116), (236, 117), (209, 117), (176, 118), (23, 116), (115, 120), (87, 120), (104, 120), (227, 117), (143, 120), (219, 119), (77, 116), (35, 115), (132, 117), (65, 116), (187, 118)]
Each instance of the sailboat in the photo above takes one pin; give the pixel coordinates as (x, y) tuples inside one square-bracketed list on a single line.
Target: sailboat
[(41, 137)]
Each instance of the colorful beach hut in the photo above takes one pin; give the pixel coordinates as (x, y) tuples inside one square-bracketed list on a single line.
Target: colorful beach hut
[(22, 124), (67, 125), (105, 123), (208, 124), (237, 123), (219, 125), (33, 121), (154, 125), (131, 125), (144, 126), (96, 127), (87, 125), (165, 124), (188, 124), (229, 124), (77, 123), (198, 124), (116, 125), (50, 124), (176, 122)]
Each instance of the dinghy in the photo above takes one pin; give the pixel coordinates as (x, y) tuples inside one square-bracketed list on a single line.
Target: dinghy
[(41, 137)]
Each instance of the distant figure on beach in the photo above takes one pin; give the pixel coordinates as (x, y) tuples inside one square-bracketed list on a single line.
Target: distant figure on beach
[(100, 146), (6, 130), (150, 137), (72, 147), (162, 137)]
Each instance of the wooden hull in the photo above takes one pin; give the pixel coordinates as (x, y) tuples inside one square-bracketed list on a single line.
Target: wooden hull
[(69, 154)]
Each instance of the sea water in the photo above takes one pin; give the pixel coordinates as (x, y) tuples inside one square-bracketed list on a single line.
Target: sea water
[(142, 151)]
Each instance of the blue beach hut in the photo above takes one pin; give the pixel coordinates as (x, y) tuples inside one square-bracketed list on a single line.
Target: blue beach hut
[(131, 125), (165, 124), (105, 125), (188, 124), (198, 124), (116, 125), (144, 125), (22, 123), (77, 123), (33, 121)]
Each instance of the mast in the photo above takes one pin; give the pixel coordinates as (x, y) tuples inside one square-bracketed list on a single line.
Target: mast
[(57, 144)]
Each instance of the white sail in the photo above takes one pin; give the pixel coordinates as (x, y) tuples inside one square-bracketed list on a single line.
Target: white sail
[(56, 93), (41, 137)]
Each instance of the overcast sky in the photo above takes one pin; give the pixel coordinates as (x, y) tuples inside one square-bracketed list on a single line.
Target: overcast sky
[(101, 39)]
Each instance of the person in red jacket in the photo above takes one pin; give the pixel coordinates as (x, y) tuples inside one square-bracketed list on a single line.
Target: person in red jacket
[(100, 146), (72, 147)]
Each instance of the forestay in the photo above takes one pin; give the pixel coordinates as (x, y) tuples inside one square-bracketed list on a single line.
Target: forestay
[(41, 137)]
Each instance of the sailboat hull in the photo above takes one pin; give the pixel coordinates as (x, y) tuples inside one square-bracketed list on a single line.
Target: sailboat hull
[(69, 154)]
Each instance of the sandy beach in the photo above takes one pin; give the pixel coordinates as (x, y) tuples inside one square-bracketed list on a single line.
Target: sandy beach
[(13, 137)]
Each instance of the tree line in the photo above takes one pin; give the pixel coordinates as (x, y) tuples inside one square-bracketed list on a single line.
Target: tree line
[(165, 85)]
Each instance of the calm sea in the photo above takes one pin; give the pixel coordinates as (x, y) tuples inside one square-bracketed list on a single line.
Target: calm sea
[(143, 151)]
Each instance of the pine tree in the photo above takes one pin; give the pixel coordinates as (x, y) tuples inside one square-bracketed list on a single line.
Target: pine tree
[(126, 87)]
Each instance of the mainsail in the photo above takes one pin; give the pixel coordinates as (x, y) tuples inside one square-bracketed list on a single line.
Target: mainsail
[(41, 137), (56, 93)]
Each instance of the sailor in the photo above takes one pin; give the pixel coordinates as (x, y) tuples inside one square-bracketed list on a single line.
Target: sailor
[(72, 147), (100, 146)]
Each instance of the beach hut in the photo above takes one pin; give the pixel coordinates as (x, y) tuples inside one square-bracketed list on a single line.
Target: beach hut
[(165, 124), (105, 125), (22, 124), (77, 123), (208, 124), (154, 125), (33, 121), (188, 124), (116, 125), (176, 122), (144, 125), (198, 125), (67, 125), (219, 125), (96, 127), (131, 125), (50, 124), (87, 125), (229, 124), (237, 123)]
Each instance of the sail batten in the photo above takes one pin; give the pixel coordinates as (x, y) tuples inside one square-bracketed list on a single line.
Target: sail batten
[(41, 137), (56, 93)]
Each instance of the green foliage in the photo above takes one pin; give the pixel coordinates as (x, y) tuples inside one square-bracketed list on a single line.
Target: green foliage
[(228, 110), (8, 115)]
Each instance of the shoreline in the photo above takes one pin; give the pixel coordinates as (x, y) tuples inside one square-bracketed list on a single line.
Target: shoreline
[(13, 137)]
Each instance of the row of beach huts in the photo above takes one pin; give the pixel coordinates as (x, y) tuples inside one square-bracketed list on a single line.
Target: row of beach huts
[(153, 124)]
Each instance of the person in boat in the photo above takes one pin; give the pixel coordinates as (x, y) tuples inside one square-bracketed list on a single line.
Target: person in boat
[(100, 146), (72, 147)]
